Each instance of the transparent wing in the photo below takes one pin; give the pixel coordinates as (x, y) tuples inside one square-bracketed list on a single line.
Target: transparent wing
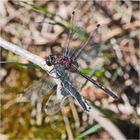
[(69, 87), (56, 101), (87, 42), (38, 89), (74, 93), (70, 36)]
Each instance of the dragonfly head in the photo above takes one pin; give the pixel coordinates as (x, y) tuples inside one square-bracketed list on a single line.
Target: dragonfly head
[(50, 60)]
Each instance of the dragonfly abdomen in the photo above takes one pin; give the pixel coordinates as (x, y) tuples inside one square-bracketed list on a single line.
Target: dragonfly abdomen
[(106, 90)]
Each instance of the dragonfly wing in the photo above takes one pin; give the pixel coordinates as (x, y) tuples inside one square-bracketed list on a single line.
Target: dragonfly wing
[(38, 89), (69, 88), (53, 105), (56, 101), (74, 93)]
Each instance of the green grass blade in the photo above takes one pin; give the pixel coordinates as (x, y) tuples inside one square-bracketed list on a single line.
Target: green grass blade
[(21, 64), (95, 70), (40, 8), (86, 71), (91, 130), (64, 23)]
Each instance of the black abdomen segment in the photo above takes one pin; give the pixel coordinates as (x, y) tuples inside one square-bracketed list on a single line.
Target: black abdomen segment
[(109, 92)]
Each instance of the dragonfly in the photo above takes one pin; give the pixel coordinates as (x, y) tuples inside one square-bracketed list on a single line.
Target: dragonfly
[(63, 65), (67, 62)]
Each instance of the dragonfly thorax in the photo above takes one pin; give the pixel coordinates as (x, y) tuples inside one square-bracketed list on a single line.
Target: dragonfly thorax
[(68, 64), (50, 60)]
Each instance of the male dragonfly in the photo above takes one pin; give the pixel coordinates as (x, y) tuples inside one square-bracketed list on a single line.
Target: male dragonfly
[(62, 66)]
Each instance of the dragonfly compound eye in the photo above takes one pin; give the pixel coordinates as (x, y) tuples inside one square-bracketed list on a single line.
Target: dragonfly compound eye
[(50, 60)]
